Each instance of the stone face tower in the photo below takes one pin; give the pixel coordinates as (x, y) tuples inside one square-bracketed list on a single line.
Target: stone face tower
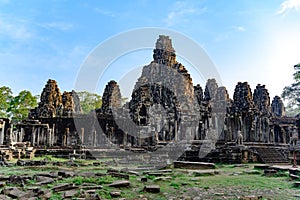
[(51, 100), (163, 93), (278, 107), (111, 98), (261, 99)]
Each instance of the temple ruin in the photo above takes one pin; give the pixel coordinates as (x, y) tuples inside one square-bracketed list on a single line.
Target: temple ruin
[(165, 106)]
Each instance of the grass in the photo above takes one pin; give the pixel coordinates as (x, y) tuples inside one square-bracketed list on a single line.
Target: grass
[(182, 181)]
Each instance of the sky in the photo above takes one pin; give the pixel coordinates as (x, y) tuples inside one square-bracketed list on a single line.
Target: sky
[(247, 40)]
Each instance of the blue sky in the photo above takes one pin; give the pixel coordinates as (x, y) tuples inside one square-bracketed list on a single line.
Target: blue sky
[(248, 40)]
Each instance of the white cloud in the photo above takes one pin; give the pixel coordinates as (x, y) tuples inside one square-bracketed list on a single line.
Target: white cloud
[(239, 28), (288, 5), (58, 25), (105, 12), (180, 12), (15, 29)]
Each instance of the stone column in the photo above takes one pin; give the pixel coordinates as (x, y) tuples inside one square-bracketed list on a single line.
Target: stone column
[(82, 135), (176, 131), (50, 137), (2, 132), (94, 138), (21, 135), (66, 136), (38, 135), (125, 140), (53, 135), (34, 129), (42, 138)]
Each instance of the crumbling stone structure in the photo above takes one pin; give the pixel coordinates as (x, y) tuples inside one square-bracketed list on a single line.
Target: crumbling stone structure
[(165, 106), (5, 131), (165, 97), (70, 103), (278, 107), (112, 98)]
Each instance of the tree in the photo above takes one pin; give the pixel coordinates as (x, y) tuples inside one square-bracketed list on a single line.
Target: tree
[(292, 94), (89, 101), (5, 98), (21, 104)]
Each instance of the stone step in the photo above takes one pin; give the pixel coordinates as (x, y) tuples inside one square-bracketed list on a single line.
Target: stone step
[(271, 155)]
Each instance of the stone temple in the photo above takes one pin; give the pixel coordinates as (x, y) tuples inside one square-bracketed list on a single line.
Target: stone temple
[(165, 107)]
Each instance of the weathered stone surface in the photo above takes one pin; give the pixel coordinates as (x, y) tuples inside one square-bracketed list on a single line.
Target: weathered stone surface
[(70, 193), (49, 175), (297, 184), (91, 187), (64, 187), (261, 99), (164, 89), (54, 104), (119, 184), (278, 107), (251, 198), (71, 103), (2, 184), (115, 194), (163, 178), (251, 172), (204, 173), (86, 174), (193, 165), (119, 175), (43, 180), (270, 172), (66, 174), (50, 103), (294, 177), (18, 180), (111, 98), (4, 197), (144, 179), (13, 192), (152, 188), (261, 166)]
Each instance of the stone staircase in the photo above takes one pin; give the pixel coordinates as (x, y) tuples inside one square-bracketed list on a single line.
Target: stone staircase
[(271, 155)]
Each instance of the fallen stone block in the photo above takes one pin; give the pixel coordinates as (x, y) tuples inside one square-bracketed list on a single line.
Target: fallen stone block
[(64, 187), (270, 172), (144, 179), (193, 165), (70, 193), (43, 180), (152, 188), (251, 198), (13, 192), (252, 172), (66, 174), (261, 166), (163, 178), (205, 173), (296, 184), (4, 197), (2, 184), (118, 184), (294, 177), (115, 194), (119, 175)]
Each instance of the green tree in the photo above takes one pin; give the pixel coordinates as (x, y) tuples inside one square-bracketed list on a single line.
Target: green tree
[(21, 104), (5, 98), (89, 101), (292, 94)]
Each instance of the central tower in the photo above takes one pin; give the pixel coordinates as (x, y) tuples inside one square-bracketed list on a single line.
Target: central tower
[(163, 93)]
